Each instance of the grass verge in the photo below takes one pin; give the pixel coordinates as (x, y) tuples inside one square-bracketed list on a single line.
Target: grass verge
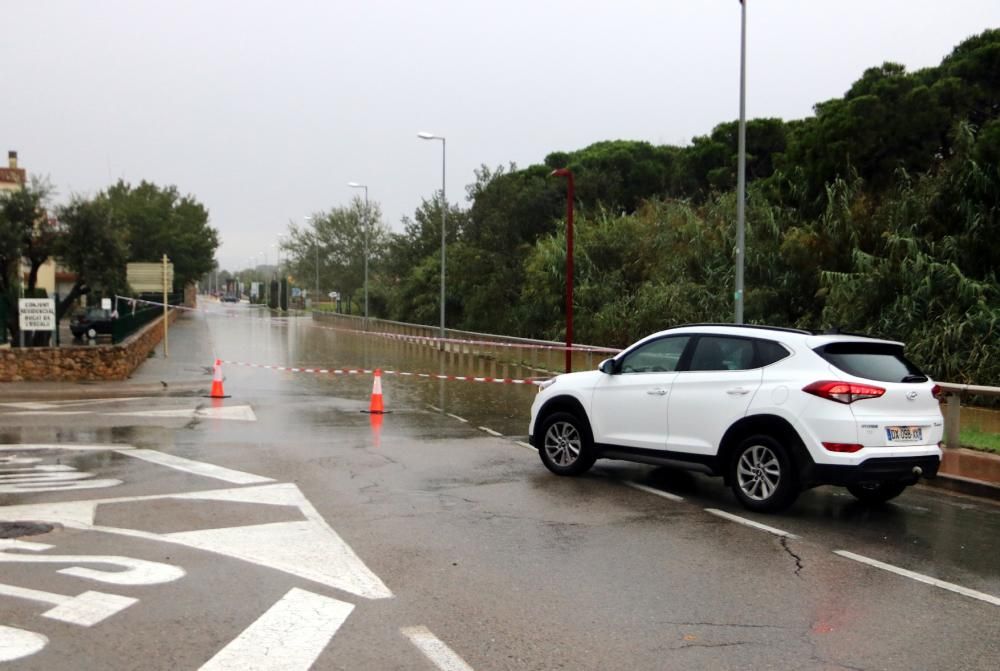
[(975, 439)]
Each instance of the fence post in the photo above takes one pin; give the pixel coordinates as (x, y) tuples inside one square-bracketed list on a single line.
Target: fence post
[(953, 421)]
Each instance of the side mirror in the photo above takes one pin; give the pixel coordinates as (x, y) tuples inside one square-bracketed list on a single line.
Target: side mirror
[(607, 366)]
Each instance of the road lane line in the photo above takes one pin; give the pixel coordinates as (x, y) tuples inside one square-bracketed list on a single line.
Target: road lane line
[(435, 408), (750, 523), (288, 637), (524, 444), (196, 467), (653, 490), (920, 577), (491, 432), (461, 419), (435, 650)]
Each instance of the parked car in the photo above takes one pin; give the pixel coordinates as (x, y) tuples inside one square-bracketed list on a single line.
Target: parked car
[(771, 410), (230, 298), (92, 319)]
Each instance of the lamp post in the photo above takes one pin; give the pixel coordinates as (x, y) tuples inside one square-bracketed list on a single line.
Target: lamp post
[(741, 171), (567, 173), (355, 185), (444, 212)]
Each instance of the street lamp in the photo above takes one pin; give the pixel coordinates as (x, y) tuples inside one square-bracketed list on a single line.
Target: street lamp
[(565, 172), (741, 170), (355, 185), (444, 210)]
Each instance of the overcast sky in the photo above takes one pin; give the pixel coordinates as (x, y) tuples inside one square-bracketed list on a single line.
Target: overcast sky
[(265, 110)]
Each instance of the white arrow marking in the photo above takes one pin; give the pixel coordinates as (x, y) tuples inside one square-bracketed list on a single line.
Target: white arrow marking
[(288, 637), (18, 643), (309, 549), (198, 467)]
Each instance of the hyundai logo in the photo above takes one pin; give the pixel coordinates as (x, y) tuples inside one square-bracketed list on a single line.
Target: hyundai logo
[(911, 395)]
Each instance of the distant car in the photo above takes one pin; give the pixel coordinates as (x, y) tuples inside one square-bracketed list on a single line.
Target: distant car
[(93, 319), (772, 410), (229, 298)]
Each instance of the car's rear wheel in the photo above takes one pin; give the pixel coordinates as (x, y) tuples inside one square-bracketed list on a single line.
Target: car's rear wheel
[(566, 446), (876, 491), (762, 475)]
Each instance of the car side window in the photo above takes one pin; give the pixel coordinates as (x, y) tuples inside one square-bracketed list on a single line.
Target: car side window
[(769, 352), (658, 356), (722, 353)]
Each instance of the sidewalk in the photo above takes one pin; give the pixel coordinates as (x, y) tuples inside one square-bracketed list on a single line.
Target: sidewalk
[(188, 368)]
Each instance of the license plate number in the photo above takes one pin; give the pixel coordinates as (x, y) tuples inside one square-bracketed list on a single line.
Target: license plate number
[(904, 433)]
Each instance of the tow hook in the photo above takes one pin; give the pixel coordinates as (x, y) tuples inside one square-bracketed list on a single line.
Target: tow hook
[(917, 471)]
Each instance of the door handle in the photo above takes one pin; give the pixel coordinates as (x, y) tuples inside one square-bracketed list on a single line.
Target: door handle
[(657, 392), (737, 391)]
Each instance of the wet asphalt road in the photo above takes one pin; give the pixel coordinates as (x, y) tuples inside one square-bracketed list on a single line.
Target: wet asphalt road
[(429, 526)]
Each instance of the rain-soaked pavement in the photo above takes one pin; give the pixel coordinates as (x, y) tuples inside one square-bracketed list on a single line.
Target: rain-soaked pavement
[(282, 528)]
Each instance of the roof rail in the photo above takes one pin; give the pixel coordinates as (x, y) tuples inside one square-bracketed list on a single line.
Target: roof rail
[(751, 326)]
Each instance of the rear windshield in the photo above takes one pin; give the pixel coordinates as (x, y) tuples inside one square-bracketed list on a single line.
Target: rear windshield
[(873, 361)]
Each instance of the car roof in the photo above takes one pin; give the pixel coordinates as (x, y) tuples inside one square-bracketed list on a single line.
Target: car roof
[(812, 339)]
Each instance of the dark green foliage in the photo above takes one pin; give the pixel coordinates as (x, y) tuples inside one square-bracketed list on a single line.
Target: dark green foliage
[(160, 221)]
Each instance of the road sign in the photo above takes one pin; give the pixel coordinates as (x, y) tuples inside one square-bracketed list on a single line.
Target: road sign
[(36, 314)]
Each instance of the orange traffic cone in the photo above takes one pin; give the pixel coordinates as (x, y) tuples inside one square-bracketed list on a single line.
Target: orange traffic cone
[(217, 381), (376, 419), (375, 406)]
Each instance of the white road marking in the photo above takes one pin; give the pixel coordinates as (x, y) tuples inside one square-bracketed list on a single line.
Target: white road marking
[(288, 637), (461, 419), (524, 444), (920, 577), (243, 413), (135, 571), (435, 650), (750, 523), (85, 610), (653, 490), (197, 467), (309, 549), (46, 413), (491, 431), (18, 643), (152, 456), (48, 478)]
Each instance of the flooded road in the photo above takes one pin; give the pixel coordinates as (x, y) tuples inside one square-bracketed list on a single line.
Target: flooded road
[(185, 532)]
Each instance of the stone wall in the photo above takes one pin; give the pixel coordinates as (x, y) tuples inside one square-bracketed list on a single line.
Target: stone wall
[(85, 362)]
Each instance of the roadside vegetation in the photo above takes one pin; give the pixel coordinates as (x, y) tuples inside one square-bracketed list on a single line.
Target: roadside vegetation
[(975, 439), (878, 214), (94, 238)]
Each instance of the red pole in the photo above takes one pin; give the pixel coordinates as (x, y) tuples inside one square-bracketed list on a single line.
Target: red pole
[(565, 172)]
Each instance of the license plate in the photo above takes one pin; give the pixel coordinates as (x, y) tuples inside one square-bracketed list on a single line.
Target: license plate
[(904, 433)]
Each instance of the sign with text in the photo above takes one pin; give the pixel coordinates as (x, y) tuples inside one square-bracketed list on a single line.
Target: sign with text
[(37, 314)]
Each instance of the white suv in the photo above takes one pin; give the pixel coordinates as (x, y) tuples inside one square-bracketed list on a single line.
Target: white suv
[(771, 410)]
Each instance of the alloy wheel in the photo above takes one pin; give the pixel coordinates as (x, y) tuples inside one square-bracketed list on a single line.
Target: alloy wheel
[(758, 472), (563, 443)]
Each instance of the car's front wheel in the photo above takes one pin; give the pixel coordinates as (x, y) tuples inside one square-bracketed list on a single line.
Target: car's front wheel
[(566, 446), (878, 491), (762, 475)]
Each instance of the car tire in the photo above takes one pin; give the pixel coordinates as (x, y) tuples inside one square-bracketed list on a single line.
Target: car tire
[(565, 444), (762, 475), (878, 491)]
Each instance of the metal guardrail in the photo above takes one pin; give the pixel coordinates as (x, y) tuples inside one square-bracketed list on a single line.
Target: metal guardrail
[(953, 394)]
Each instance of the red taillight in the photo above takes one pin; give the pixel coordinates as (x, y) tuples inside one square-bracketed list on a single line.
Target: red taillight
[(937, 392), (842, 447), (843, 392)]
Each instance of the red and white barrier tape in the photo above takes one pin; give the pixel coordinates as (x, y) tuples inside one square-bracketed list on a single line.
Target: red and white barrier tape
[(370, 371)]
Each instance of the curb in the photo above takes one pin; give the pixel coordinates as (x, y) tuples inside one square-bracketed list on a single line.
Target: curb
[(20, 391), (962, 485)]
